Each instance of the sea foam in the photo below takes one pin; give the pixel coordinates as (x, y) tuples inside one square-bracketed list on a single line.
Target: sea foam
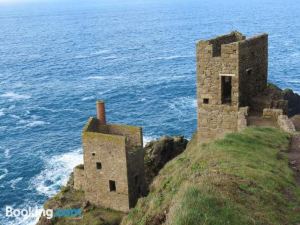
[(172, 57), (3, 173), (12, 96), (95, 78), (56, 172), (13, 183)]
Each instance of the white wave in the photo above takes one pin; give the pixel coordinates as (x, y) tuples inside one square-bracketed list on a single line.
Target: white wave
[(11, 96), (34, 56), (34, 117), (46, 109), (3, 128), (88, 98), (26, 220), (3, 173), (14, 182), (92, 54), (32, 122), (100, 52), (15, 116), (182, 105), (147, 139), (55, 110), (81, 56), (174, 57), (7, 153), (294, 81), (295, 54), (36, 123), (12, 107), (18, 84), (95, 78), (162, 79), (2, 112), (56, 172), (110, 57)]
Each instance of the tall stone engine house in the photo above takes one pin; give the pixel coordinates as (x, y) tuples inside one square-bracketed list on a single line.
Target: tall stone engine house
[(113, 172), (231, 71)]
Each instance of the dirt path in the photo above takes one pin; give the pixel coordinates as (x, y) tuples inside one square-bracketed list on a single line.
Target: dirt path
[(294, 156)]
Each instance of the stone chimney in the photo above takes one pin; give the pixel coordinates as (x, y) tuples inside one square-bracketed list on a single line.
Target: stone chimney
[(100, 105)]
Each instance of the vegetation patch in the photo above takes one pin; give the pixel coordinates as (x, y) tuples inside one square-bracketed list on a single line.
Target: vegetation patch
[(236, 180)]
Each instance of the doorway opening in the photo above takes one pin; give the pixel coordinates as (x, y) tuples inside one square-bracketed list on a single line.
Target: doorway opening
[(226, 87)]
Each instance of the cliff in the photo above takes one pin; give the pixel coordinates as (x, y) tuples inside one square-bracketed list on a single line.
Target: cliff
[(241, 179), (157, 154), (274, 97)]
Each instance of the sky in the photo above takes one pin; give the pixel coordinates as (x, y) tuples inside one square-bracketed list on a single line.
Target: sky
[(8, 2)]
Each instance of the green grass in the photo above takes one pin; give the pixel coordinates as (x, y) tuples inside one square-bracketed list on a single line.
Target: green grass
[(239, 180), (69, 198), (195, 206)]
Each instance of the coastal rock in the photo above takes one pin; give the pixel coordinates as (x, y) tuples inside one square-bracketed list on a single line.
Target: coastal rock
[(159, 152), (294, 102), (274, 97)]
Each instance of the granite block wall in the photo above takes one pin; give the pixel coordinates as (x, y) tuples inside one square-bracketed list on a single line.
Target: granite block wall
[(230, 71), (113, 165), (253, 68)]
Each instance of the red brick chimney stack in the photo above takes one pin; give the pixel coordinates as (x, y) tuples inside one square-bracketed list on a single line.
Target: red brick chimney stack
[(100, 105)]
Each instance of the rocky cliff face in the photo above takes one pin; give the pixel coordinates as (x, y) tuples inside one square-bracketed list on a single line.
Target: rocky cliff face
[(157, 154), (293, 101), (241, 179), (274, 97)]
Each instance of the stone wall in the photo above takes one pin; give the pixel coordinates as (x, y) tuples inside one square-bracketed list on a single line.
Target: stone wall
[(113, 165), (231, 57), (110, 151), (286, 124), (224, 39), (242, 118), (136, 175), (210, 69), (215, 118), (133, 134), (214, 123), (253, 68), (272, 113), (79, 178), (283, 121)]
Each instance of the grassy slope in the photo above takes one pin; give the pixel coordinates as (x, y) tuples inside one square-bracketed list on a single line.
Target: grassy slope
[(242, 179), (69, 198)]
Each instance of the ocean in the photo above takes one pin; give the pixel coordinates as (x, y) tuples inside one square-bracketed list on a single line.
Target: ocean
[(58, 57)]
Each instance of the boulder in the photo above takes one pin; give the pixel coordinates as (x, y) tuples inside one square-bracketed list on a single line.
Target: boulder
[(159, 152), (275, 98)]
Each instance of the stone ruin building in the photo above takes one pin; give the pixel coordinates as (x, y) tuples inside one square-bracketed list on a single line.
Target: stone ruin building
[(232, 74), (113, 172)]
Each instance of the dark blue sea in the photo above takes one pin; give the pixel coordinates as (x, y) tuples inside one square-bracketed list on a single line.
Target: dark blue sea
[(58, 57)]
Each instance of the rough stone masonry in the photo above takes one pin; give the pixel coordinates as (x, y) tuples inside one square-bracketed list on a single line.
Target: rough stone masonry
[(113, 172), (231, 71)]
